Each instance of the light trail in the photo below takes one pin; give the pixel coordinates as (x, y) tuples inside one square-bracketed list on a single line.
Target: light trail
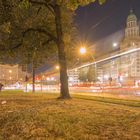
[(108, 58)]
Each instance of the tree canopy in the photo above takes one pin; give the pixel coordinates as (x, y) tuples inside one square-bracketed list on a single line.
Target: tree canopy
[(51, 20)]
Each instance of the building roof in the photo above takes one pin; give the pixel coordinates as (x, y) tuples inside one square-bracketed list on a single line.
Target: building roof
[(131, 16)]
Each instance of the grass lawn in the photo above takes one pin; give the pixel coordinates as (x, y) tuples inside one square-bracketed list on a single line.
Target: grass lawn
[(28, 116)]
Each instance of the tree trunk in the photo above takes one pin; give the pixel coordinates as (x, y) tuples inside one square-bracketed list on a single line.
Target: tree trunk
[(33, 78), (61, 54)]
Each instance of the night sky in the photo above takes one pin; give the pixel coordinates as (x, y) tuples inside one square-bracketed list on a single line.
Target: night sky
[(96, 21)]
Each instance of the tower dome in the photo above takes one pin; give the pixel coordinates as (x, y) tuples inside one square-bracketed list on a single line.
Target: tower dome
[(132, 16)]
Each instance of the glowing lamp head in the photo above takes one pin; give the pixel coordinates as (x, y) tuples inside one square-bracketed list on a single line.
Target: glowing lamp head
[(48, 79), (57, 67), (82, 50), (10, 71), (115, 44)]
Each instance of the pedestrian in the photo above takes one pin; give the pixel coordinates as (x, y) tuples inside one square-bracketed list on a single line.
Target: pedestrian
[(1, 85)]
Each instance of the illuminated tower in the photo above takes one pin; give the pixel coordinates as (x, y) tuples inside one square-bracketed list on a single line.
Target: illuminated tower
[(132, 33), (132, 28)]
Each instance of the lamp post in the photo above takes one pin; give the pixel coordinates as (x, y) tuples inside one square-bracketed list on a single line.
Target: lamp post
[(57, 67), (83, 51), (42, 78), (26, 78)]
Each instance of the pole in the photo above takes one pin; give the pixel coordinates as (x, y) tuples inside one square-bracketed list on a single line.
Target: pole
[(95, 65), (33, 78), (33, 70), (95, 72), (26, 79), (41, 83)]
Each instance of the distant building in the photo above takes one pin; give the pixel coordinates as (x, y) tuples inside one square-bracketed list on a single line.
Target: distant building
[(125, 68), (123, 65), (10, 74), (74, 76), (120, 65), (132, 32)]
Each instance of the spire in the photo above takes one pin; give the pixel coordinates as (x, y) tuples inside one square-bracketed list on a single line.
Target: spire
[(131, 11), (131, 16)]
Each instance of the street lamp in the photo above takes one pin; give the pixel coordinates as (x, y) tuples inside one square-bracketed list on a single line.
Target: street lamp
[(48, 79), (57, 67), (83, 50), (115, 44), (10, 71)]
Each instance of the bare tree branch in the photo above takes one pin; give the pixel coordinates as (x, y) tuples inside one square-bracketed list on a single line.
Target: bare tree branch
[(40, 31), (44, 3)]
